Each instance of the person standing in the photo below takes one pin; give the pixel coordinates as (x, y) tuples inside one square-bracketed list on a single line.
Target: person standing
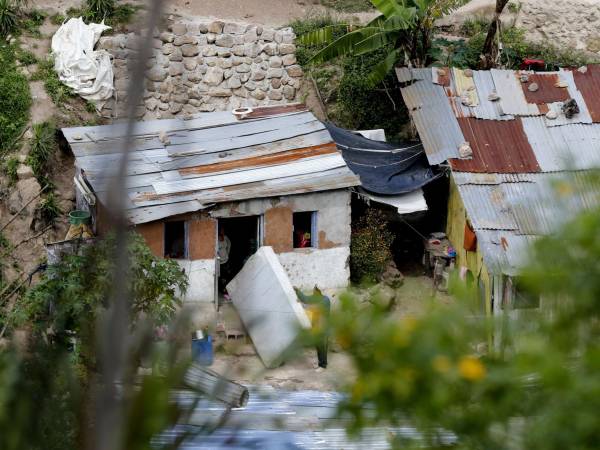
[(320, 306), (223, 253)]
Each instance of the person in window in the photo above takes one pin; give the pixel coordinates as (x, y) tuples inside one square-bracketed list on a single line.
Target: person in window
[(319, 308), (223, 253), (302, 239)]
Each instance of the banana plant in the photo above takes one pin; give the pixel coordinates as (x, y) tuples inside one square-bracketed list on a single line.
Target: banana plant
[(403, 28)]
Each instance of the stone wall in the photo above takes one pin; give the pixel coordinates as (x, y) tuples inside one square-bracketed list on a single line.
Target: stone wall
[(207, 66)]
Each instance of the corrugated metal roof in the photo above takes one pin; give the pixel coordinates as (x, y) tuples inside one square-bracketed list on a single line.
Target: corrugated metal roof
[(433, 117), (178, 166), (547, 89), (583, 116), (486, 109), (504, 251), (512, 99), (487, 207), (588, 84), (498, 146)]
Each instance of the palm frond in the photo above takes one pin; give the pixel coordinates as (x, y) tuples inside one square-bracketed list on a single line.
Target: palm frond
[(380, 71), (374, 42), (377, 21), (401, 21), (321, 36), (387, 7), (344, 45)]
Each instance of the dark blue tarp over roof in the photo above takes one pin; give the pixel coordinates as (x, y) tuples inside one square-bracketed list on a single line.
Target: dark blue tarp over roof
[(383, 168)]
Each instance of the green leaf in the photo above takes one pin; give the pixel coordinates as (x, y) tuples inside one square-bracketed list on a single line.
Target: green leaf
[(402, 20), (375, 42), (388, 7), (380, 71), (321, 36), (344, 45)]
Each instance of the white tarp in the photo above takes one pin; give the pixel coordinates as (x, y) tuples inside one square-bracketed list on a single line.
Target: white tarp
[(374, 135), (268, 306), (85, 70), (404, 203)]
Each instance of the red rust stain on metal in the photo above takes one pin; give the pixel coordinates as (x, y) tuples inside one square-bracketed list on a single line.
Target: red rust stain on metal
[(504, 243), (266, 111), (544, 108), (499, 146), (547, 91), (275, 158), (589, 85), (443, 76)]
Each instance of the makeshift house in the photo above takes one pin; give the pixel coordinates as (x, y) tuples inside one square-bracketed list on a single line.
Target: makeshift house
[(271, 178), (520, 146)]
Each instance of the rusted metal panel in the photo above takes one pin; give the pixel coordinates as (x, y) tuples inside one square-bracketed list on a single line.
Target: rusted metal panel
[(566, 76), (202, 238), (512, 99), (498, 146), (153, 234), (268, 111), (547, 91), (588, 84), (486, 109)]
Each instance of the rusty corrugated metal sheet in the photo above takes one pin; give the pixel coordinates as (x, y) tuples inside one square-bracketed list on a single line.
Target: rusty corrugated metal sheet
[(547, 91), (512, 99), (588, 84), (498, 146), (486, 109)]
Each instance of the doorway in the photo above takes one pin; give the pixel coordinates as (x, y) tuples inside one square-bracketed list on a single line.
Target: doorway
[(238, 238)]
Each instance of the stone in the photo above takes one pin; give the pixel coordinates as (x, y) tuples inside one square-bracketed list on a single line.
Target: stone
[(236, 60), (294, 71), (259, 75), (288, 37), (276, 83), (289, 60), (163, 106), (151, 104), (267, 35), (224, 53), (274, 73), (157, 44), (150, 86), (195, 76), (238, 50), (287, 49), (203, 28), (220, 92), (174, 108), (270, 49), (190, 63), (209, 51), (250, 36), (167, 49), (190, 50), (24, 191), (179, 29), (176, 69), (207, 107), (176, 55), (211, 61), (275, 61), (24, 172), (250, 85), (242, 68), (214, 76), (241, 92), (278, 37), (225, 63), (259, 30), (157, 74), (275, 94), (234, 82), (289, 92), (258, 94), (183, 40), (252, 50), (224, 40), (245, 77), (210, 38), (227, 74), (198, 91), (234, 28), (195, 102)]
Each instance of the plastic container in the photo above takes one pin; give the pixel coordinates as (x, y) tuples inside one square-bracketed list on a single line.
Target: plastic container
[(78, 217), (202, 350)]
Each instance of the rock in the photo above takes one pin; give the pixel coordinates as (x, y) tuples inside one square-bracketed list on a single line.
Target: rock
[(163, 106), (190, 64), (259, 30), (252, 50), (227, 74), (203, 28), (166, 37), (250, 85), (392, 276), (157, 74), (180, 98), (289, 92), (207, 107), (176, 55), (276, 83), (238, 50), (214, 76), (198, 91), (270, 49), (258, 94), (289, 59), (220, 92), (168, 48), (24, 191), (183, 40), (274, 73), (275, 94), (250, 36), (267, 35), (242, 68), (179, 29), (275, 61), (241, 92), (294, 71), (259, 75), (224, 53), (210, 38), (151, 104), (287, 49), (176, 69), (209, 51), (278, 37), (225, 63), (234, 82), (224, 40), (24, 172), (174, 108), (190, 50), (215, 27)]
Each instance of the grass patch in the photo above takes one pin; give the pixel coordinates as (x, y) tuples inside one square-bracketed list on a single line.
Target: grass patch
[(26, 57), (15, 99), (58, 92), (11, 166), (43, 145), (49, 208), (115, 17), (348, 6), (31, 21), (57, 19), (9, 16)]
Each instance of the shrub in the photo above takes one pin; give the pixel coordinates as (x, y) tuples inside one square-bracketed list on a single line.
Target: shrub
[(15, 99), (31, 22), (9, 16), (43, 145), (49, 208), (348, 5), (99, 9), (370, 247), (11, 169)]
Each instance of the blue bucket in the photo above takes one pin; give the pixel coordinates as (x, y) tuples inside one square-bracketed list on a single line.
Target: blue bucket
[(202, 351)]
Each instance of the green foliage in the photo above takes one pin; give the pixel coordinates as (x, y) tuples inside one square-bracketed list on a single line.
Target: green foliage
[(472, 27), (57, 19), (98, 10), (9, 16), (370, 247), (49, 208), (31, 22), (11, 165), (109, 11), (43, 146), (349, 6), (26, 57), (15, 99), (58, 92)]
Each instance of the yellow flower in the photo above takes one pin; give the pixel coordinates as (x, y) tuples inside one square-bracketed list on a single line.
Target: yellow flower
[(441, 363), (470, 368)]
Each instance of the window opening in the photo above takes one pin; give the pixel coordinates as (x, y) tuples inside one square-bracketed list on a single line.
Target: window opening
[(304, 229), (175, 241)]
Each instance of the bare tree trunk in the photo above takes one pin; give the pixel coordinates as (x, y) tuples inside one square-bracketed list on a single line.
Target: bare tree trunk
[(490, 49)]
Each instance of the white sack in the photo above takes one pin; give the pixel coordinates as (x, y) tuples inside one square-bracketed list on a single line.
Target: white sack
[(88, 72)]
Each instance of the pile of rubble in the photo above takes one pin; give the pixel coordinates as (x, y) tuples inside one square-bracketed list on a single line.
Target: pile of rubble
[(207, 66)]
